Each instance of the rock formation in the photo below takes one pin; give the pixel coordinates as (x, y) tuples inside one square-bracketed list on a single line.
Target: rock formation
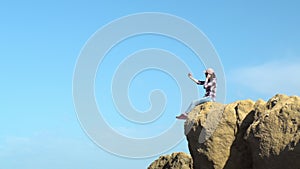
[(274, 135), (246, 134), (174, 161), (241, 135)]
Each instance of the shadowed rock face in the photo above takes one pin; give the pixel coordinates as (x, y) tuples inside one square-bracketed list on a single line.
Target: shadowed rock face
[(245, 134), (174, 161)]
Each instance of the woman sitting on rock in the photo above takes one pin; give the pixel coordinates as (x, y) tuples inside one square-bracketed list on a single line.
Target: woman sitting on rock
[(210, 86)]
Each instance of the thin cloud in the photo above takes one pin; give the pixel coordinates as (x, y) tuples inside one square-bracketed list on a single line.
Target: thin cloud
[(270, 78)]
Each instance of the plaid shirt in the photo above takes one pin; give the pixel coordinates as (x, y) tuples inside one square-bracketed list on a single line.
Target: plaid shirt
[(210, 88)]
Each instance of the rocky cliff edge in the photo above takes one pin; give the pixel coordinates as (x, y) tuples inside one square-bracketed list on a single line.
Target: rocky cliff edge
[(245, 134)]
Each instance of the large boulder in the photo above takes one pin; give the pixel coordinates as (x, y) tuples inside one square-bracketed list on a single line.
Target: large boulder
[(245, 134), (274, 134)]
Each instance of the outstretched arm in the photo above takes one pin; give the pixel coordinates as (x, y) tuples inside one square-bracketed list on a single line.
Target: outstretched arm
[(195, 80)]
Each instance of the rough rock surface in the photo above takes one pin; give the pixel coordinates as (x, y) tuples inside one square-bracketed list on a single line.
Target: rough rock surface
[(245, 134), (274, 135), (178, 160)]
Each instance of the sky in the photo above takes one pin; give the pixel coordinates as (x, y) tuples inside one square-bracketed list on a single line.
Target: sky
[(41, 45)]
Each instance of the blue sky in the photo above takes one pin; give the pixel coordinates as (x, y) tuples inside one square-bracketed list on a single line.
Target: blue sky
[(257, 42)]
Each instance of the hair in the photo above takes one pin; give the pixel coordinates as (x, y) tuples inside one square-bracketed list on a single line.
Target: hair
[(213, 75)]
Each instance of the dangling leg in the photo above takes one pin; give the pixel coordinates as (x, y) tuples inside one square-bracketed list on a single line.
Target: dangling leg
[(192, 106)]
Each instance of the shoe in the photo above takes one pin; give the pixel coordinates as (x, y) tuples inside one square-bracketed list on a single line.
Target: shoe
[(182, 117)]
